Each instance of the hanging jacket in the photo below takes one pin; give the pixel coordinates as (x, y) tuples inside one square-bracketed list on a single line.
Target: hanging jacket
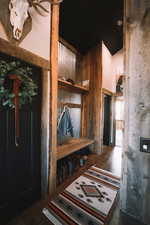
[(64, 124)]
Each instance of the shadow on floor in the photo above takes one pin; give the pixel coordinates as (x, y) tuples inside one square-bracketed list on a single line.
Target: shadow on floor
[(110, 160)]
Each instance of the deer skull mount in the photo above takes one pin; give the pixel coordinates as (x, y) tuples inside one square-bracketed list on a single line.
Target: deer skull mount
[(19, 13)]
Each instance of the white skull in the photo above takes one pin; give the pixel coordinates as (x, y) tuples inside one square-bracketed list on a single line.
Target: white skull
[(18, 15)]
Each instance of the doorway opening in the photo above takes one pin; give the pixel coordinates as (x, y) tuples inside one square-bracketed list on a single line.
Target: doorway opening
[(119, 120), (107, 120)]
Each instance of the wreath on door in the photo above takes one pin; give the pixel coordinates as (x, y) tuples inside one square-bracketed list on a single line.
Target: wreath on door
[(27, 88)]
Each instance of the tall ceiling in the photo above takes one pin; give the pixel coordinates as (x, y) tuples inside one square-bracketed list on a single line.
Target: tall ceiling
[(84, 23)]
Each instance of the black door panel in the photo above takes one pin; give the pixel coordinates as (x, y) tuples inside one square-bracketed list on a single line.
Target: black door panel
[(20, 179), (107, 121)]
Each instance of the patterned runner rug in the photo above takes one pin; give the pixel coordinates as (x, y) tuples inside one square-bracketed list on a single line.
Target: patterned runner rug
[(88, 200)]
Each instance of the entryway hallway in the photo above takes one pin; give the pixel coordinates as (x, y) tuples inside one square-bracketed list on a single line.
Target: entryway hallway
[(110, 160)]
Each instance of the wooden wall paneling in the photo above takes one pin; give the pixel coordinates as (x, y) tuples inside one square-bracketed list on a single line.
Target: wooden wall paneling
[(69, 46), (12, 50), (53, 96), (83, 74), (79, 69), (98, 100), (90, 68), (72, 64), (45, 131), (66, 96), (83, 69), (91, 95), (66, 62), (69, 59), (73, 101)]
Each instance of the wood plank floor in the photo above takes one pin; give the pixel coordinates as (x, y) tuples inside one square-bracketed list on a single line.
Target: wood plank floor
[(109, 160)]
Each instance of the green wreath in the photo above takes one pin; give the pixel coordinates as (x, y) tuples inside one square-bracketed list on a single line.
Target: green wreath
[(28, 88)]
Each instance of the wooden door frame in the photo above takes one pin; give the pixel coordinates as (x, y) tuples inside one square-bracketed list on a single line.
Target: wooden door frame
[(49, 99), (112, 115), (7, 48)]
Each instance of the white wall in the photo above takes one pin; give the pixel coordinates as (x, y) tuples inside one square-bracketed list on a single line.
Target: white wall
[(108, 81), (112, 67), (118, 64), (38, 40)]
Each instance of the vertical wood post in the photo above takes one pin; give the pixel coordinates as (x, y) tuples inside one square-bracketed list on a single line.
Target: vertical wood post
[(95, 98), (45, 131), (91, 69), (84, 115), (53, 95)]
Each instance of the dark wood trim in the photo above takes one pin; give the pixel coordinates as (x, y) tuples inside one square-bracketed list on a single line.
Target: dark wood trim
[(70, 105), (53, 96), (12, 50)]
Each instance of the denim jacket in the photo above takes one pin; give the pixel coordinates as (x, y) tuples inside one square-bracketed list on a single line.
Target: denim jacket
[(65, 125)]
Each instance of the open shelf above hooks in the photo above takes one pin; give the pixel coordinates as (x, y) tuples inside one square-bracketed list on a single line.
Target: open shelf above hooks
[(74, 88)]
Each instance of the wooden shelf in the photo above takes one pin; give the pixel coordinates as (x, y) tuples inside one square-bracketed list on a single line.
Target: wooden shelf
[(71, 146), (73, 88)]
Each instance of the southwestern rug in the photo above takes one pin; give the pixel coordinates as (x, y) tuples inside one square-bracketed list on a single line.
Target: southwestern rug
[(89, 200)]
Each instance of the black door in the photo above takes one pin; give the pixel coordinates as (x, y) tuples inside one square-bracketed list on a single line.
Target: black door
[(20, 181), (107, 120)]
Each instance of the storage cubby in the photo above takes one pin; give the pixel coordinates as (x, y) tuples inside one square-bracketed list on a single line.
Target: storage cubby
[(68, 165), (72, 94)]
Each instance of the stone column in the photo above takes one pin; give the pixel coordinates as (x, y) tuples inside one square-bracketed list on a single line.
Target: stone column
[(135, 187)]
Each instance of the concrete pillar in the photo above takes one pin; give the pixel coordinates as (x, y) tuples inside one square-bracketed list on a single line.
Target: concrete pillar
[(135, 187)]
